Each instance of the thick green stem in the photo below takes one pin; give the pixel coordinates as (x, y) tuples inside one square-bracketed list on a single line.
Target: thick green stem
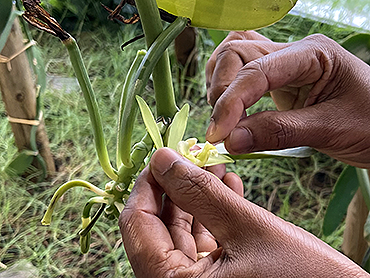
[(138, 154), (162, 78), (92, 106)]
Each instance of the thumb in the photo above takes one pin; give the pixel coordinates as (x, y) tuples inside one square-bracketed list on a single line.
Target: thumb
[(198, 192), (313, 126)]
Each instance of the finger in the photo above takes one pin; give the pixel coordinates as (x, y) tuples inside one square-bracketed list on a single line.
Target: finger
[(247, 35), (234, 182), (218, 170), (231, 57), (272, 130), (205, 241), (299, 64), (198, 192), (139, 223), (179, 225)]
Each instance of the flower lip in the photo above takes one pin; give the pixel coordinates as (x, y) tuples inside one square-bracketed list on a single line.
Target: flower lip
[(206, 156)]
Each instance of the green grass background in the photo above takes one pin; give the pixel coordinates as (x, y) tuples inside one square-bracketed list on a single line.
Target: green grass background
[(295, 189)]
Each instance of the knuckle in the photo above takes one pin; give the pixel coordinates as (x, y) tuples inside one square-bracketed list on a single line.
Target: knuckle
[(319, 39), (183, 223), (196, 181), (284, 133), (282, 130), (323, 47), (227, 49), (215, 92), (196, 187)]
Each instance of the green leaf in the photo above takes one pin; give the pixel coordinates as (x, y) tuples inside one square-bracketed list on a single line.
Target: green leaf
[(366, 261), (343, 192), (299, 152), (177, 128), (359, 45), (150, 124), (5, 11), (8, 27), (20, 163), (367, 229), (39, 69), (229, 14), (217, 36), (363, 179)]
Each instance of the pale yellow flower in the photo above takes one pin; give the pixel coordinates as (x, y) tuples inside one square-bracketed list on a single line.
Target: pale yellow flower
[(206, 156)]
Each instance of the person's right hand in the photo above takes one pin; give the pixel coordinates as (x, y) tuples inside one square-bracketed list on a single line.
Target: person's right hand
[(328, 88), (202, 213)]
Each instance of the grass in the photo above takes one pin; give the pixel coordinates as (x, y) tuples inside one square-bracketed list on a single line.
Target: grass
[(296, 190)]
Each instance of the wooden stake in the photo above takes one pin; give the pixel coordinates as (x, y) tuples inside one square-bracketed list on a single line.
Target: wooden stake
[(18, 92)]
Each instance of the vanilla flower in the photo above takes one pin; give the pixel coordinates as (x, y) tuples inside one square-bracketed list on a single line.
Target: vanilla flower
[(206, 156)]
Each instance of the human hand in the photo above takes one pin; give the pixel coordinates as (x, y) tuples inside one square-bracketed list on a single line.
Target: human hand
[(162, 240), (328, 87)]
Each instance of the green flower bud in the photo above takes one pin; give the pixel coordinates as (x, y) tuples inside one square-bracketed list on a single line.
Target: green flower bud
[(85, 243)]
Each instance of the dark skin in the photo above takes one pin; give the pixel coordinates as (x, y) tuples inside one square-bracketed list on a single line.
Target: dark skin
[(321, 90), (323, 94), (162, 238)]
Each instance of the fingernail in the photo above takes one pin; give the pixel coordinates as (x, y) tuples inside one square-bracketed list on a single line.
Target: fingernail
[(241, 140), (211, 129), (163, 160)]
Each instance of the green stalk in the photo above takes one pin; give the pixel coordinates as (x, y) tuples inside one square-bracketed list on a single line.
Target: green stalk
[(127, 115), (364, 182), (162, 78), (139, 82), (62, 189), (89, 204), (92, 106)]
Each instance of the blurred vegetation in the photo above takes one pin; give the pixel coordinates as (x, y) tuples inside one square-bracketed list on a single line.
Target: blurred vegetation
[(347, 12), (86, 15), (296, 190)]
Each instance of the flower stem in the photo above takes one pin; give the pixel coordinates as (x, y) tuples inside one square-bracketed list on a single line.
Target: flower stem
[(127, 115), (62, 189), (89, 204), (92, 106)]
